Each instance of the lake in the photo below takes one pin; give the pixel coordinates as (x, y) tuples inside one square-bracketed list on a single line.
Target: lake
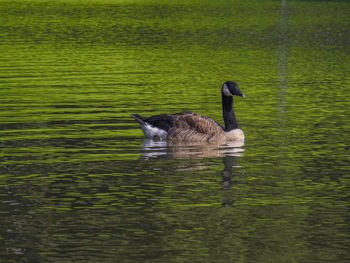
[(78, 180)]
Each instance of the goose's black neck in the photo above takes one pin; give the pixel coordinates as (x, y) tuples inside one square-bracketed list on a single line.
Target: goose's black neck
[(229, 116)]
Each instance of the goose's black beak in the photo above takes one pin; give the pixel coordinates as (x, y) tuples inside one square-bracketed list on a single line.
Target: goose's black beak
[(243, 96)]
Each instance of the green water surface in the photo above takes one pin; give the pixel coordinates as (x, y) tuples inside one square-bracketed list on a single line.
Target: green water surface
[(78, 182)]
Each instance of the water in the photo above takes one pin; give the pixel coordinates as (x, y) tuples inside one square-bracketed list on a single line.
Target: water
[(79, 183)]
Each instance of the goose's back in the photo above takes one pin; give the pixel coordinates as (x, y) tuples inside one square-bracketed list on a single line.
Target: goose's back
[(189, 126), (197, 122)]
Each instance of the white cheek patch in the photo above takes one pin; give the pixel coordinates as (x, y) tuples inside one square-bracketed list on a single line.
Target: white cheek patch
[(226, 91)]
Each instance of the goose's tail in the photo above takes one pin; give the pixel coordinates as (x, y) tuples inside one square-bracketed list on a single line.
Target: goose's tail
[(148, 129)]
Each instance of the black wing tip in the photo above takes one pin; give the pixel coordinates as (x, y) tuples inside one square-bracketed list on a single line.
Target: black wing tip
[(138, 118)]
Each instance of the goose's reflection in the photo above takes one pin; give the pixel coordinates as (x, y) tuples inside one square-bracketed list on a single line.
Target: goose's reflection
[(197, 155), (154, 149), (228, 174)]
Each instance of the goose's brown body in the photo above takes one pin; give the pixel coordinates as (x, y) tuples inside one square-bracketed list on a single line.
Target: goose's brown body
[(189, 126)]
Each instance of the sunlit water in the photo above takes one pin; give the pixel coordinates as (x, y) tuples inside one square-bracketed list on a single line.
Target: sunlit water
[(78, 181)]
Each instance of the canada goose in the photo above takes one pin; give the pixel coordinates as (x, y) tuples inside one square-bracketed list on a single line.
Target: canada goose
[(189, 126)]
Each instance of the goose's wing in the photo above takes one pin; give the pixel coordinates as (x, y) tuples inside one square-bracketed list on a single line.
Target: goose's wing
[(184, 126), (185, 120), (196, 122), (193, 127)]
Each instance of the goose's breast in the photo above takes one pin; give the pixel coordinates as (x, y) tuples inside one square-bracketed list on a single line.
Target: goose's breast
[(235, 135)]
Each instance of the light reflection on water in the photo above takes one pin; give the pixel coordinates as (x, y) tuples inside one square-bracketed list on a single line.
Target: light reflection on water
[(78, 182)]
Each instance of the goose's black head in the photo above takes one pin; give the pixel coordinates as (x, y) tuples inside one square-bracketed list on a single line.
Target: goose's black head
[(230, 88)]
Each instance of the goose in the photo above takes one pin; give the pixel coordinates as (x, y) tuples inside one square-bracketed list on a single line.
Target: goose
[(187, 126)]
